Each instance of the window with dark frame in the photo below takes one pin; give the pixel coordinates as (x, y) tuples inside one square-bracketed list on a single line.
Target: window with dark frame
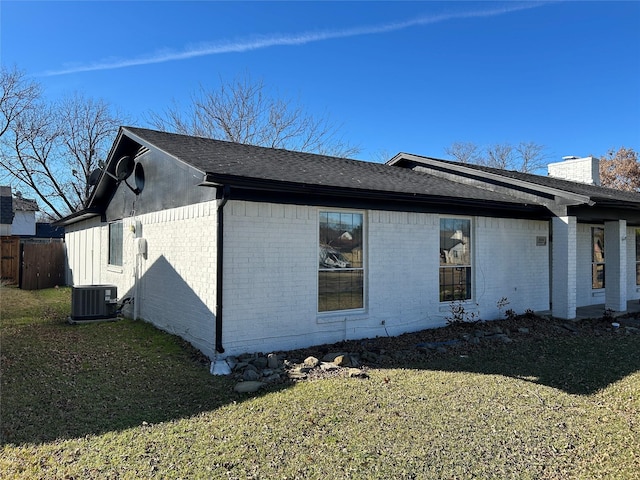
[(597, 258), (340, 261), (455, 259), (115, 244)]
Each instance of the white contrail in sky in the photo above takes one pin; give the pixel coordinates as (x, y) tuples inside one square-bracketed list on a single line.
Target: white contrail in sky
[(257, 43)]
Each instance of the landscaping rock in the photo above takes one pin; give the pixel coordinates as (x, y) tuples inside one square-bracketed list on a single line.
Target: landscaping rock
[(249, 367), (259, 363), (311, 362), (357, 373), (273, 378), (273, 361), (328, 366), (248, 387), (343, 361), (297, 374), (330, 357), (250, 375)]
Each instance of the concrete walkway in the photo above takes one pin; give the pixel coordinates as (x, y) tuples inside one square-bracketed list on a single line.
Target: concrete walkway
[(597, 311)]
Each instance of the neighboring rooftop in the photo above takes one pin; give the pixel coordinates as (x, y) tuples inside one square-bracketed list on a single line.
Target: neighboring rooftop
[(21, 204)]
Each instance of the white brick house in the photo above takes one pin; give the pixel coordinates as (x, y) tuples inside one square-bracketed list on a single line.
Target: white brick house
[(234, 234)]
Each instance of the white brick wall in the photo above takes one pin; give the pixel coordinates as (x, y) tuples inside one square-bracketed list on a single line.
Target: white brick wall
[(510, 264), (583, 170), (176, 290), (270, 269), (271, 275)]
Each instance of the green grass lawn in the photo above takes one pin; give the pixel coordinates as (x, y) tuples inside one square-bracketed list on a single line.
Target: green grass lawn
[(123, 400)]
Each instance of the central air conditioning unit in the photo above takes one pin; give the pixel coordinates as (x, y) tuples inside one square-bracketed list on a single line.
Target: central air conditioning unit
[(93, 302)]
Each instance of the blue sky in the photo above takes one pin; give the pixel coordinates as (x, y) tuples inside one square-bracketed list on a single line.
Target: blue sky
[(398, 76)]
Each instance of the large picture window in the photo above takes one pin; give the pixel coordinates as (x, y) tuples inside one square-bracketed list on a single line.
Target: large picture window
[(340, 261), (455, 259), (115, 244), (597, 257)]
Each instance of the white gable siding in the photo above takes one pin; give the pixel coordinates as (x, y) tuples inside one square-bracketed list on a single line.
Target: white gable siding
[(271, 258), (83, 241), (24, 223)]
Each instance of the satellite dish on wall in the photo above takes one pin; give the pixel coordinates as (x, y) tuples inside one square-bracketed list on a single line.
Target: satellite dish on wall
[(124, 168), (95, 176)]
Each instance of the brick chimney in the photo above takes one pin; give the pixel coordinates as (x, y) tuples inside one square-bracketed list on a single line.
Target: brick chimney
[(576, 169)]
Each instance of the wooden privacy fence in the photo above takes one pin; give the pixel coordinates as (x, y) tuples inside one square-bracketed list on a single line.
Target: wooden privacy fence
[(43, 265), (10, 262)]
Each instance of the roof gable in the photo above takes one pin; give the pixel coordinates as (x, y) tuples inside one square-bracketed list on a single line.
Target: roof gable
[(520, 183), (277, 175), (261, 167)]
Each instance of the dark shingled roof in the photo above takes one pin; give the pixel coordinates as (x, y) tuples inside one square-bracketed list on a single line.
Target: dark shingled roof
[(6, 206), (21, 204), (595, 192), (223, 158)]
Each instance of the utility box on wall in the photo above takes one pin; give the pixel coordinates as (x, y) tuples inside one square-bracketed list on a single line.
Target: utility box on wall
[(93, 302)]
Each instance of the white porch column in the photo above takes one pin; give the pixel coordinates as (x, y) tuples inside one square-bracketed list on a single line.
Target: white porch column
[(615, 257), (563, 267)]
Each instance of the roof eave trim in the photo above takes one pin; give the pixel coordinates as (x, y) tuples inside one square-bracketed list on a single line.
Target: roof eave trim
[(220, 180), (571, 197), (78, 216)]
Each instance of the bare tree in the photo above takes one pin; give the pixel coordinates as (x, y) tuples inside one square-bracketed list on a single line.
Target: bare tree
[(87, 129), (464, 152), (525, 157), (17, 95), (243, 111), (500, 155), (28, 155), (532, 156), (51, 149), (620, 169)]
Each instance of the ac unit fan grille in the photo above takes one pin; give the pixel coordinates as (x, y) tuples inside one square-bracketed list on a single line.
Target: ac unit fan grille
[(93, 302)]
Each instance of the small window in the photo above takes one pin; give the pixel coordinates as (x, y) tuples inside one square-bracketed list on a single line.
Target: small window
[(637, 256), (115, 244), (340, 261), (597, 257), (455, 259)]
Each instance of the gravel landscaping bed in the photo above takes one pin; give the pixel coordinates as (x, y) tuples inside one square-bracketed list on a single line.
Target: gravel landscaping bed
[(354, 358)]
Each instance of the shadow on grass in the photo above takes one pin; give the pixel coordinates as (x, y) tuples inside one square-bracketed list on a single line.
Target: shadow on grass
[(61, 381), (578, 358), (580, 365)]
